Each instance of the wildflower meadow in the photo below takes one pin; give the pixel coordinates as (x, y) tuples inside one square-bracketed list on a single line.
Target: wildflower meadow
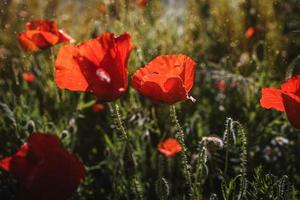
[(150, 99)]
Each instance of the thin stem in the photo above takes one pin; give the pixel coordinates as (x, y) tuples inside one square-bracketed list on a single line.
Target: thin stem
[(228, 128), (134, 179), (226, 162), (244, 154), (118, 121), (184, 162), (199, 177)]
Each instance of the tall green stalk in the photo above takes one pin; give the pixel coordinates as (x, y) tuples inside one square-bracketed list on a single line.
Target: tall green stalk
[(244, 154), (135, 183), (184, 162)]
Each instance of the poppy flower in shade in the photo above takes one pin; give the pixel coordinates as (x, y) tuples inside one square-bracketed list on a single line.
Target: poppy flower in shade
[(221, 85), (249, 33), (102, 8), (98, 107), (28, 76), (45, 169), (166, 79), (98, 65), (170, 147), (286, 99), (141, 3), (41, 34)]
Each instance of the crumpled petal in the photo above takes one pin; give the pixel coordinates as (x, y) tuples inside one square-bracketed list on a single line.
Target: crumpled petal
[(166, 79)]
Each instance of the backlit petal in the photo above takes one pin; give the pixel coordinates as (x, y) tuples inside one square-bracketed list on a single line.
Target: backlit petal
[(271, 98), (68, 74)]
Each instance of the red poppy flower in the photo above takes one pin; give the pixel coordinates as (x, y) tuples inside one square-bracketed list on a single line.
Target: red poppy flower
[(286, 99), (45, 169), (166, 79), (249, 33), (221, 85), (98, 107), (170, 147), (41, 34), (97, 65), (102, 8), (28, 76), (141, 3)]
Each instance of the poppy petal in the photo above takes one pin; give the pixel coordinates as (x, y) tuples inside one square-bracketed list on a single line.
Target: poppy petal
[(50, 38), (138, 78), (115, 53), (90, 60), (37, 142), (271, 98), (92, 51), (292, 85), (17, 163), (163, 64), (42, 38), (64, 37), (45, 169), (124, 46), (100, 81), (174, 90), (173, 74), (68, 74), (118, 50), (152, 90), (42, 25), (5, 163), (188, 76), (26, 43), (292, 108)]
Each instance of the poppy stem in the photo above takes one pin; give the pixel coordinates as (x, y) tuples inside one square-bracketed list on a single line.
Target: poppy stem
[(184, 161), (118, 121), (135, 183)]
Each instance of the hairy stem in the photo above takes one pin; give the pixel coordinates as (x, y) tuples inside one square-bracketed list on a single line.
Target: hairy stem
[(118, 120), (184, 162), (243, 172), (226, 139), (135, 183)]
